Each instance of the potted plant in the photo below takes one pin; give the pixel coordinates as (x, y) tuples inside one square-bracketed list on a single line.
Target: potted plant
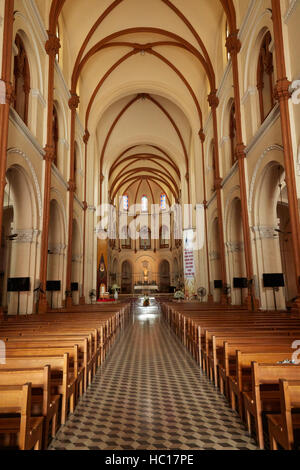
[(115, 289), (179, 295)]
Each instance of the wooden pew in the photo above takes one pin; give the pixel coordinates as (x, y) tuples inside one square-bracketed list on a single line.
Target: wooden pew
[(227, 361), (62, 382), (259, 400), (17, 400), (45, 405), (282, 427), (217, 353), (241, 381), (78, 356), (225, 342), (84, 337)]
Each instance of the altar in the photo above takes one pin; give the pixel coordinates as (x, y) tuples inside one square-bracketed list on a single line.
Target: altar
[(146, 283), (146, 289)]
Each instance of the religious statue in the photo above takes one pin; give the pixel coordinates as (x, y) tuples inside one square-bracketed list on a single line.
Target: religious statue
[(145, 275), (101, 278)]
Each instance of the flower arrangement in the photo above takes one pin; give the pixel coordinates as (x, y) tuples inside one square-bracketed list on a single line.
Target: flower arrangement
[(179, 295), (115, 288), (146, 302)]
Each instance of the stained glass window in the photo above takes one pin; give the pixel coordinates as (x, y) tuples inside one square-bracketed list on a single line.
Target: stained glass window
[(144, 204), (125, 202), (163, 202)]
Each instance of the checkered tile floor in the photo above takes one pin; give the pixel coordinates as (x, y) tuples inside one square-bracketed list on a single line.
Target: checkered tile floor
[(150, 394)]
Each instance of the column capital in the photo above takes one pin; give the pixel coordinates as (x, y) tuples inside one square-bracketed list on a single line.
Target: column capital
[(260, 85), (52, 45), (240, 151), (218, 183), (233, 44), (86, 137), (282, 89), (9, 93), (72, 186), (49, 154), (202, 135), (269, 68), (3, 182), (74, 102), (213, 100)]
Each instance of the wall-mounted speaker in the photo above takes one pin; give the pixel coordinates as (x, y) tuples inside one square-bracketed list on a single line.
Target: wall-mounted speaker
[(218, 284), (53, 286), (18, 284), (273, 280), (240, 283)]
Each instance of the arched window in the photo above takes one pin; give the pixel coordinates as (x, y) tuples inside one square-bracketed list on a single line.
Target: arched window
[(55, 134), (21, 81), (265, 77), (232, 133), (145, 238), (144, 204), (227, 32), (163, 202), (164, 236), (58, 36), (125, 203)]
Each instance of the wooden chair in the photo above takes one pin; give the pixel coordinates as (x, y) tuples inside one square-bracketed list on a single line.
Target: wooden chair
[(17, 400), (282, 427)]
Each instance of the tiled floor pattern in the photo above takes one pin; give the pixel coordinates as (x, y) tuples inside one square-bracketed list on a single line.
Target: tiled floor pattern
[(151, 395)]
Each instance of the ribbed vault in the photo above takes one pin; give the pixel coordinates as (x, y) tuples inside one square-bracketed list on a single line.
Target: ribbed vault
[(131, 61)]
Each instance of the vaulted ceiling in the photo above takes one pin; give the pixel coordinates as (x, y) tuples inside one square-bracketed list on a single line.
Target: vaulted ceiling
[(143, 70)]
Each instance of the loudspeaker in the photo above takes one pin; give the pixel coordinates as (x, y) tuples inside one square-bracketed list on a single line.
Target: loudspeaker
[(18, 284), (53, 286), (240, 283), (273, 280), (74, 287), (218, 284)]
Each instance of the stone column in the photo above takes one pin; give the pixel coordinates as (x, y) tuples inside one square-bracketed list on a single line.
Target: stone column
[(85, 207), (210, 296), (282, 94), (73, 105), (7, 98), (52, 47), (214, 103), (233, 45)]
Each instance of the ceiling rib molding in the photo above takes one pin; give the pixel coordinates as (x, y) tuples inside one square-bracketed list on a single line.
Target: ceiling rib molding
[(123, 111), (169, 159)]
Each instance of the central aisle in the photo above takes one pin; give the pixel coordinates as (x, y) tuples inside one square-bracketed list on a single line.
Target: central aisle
[(150, 394)]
